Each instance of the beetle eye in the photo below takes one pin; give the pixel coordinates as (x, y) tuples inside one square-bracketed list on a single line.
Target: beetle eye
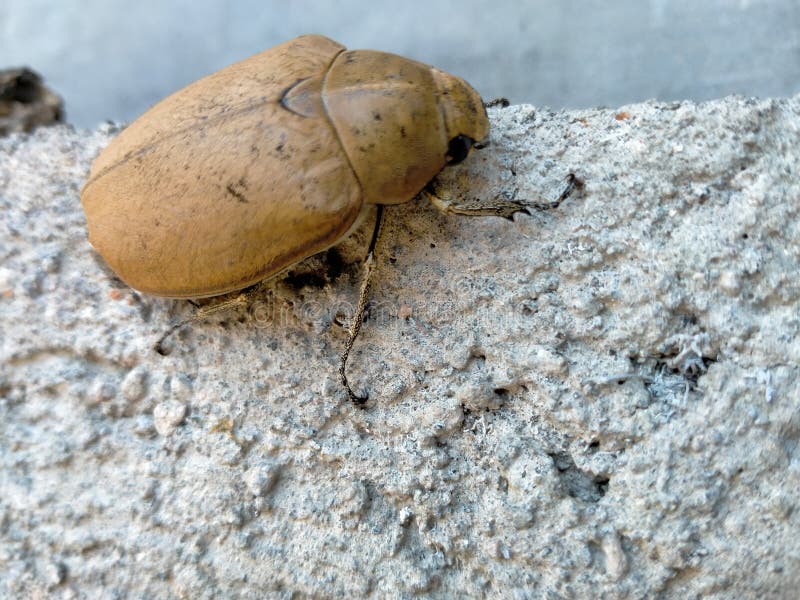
[(458, 149)]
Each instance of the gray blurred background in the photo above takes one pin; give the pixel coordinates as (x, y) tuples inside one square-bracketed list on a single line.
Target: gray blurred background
[(111, 59)]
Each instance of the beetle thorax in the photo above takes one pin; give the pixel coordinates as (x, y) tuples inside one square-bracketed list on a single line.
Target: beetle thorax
[(385, 111)]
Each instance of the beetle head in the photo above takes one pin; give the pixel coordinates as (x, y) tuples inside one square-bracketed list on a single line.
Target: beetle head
[(464, 115)]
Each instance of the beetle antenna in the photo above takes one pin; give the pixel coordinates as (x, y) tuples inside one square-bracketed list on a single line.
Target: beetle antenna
[(159, 345), (358, 317)]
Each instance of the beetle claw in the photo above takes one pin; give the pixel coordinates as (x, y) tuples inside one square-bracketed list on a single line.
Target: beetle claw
[(159, 345), (359, 401), (571, 184)]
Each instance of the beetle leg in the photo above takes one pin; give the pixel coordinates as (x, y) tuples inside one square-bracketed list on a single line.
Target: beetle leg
[(504, 204), (202, 313), (571, 184), (358, 317)]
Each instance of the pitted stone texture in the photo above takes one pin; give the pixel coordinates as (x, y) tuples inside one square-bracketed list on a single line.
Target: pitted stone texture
[(599, 400)]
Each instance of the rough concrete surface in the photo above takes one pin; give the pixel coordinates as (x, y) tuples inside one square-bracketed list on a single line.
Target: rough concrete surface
[(598, 400)]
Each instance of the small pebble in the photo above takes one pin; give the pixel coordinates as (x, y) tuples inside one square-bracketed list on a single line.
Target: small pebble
[(168, 415), (134, 386), (616, 560)]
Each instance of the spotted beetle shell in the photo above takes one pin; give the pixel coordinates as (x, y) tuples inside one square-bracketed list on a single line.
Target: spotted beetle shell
[(268, 161)]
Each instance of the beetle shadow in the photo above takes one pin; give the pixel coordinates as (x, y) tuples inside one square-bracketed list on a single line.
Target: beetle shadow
[(317, 271), (269, 301)]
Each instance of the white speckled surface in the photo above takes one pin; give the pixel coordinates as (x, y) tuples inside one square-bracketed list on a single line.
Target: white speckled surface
[(599, 400)]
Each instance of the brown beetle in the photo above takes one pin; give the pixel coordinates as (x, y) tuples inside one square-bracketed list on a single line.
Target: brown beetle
[(270, 160)]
